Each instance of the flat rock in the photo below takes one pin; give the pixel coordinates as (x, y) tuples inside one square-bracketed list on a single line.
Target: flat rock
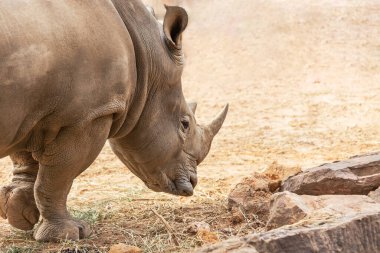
[(349, 234), (287, 208), (357, 175), (375, 195)]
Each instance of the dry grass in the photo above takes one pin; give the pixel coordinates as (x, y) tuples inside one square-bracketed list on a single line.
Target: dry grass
[(131, 221)]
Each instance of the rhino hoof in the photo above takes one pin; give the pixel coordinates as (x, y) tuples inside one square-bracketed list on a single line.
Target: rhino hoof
[(61, 229), (18, 206)]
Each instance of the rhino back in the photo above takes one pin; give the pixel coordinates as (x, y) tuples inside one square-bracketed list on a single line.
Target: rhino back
[(61, 63)]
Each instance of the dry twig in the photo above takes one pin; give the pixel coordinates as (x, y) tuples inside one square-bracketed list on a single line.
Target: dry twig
[(149, 199), (168, 227)]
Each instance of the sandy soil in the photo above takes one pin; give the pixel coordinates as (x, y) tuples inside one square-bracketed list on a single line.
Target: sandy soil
[(302, 80)]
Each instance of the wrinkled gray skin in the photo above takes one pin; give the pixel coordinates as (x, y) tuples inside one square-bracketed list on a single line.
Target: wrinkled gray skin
[(76, 73)]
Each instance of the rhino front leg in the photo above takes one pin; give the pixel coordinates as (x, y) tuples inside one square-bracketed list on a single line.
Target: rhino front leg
[(17, 202), (63, 160)]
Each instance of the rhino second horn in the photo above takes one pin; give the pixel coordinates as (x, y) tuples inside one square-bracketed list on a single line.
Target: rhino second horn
[(192, 106), (217, 123)]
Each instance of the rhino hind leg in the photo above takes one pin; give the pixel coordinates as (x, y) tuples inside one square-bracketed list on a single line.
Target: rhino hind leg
[(74, 149), (17, 202)]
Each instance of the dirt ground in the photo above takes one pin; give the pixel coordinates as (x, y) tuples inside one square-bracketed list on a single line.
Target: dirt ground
[(302, 80)]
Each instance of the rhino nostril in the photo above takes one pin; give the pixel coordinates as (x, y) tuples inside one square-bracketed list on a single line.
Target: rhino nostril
[(184, 188), (187, 191)]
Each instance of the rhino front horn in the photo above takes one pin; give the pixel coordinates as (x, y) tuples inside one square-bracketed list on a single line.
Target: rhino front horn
[(217, 123)]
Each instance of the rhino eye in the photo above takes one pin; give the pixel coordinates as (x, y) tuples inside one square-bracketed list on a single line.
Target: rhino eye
[(185, 124)]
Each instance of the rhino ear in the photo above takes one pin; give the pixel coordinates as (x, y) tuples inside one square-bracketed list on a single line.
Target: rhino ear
[(175, 23)]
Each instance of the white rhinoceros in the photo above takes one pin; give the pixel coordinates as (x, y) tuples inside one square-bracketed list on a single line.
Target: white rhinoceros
[(76, 73)]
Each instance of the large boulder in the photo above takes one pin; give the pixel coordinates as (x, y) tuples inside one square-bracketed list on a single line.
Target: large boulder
[(287, 208), (358, 175), (316, 222), (349, 234)]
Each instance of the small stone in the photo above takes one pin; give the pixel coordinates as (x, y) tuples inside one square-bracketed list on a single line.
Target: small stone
[(207, 236), (237, 215), (196, 226), (123, 248)]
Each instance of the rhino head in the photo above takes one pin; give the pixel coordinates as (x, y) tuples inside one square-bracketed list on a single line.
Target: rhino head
[(166, 145)]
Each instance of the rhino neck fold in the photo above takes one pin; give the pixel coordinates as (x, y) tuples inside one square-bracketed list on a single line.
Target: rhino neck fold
[(140, 25)]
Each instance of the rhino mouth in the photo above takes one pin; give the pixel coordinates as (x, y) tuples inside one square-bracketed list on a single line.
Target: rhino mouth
[(183, 186)]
